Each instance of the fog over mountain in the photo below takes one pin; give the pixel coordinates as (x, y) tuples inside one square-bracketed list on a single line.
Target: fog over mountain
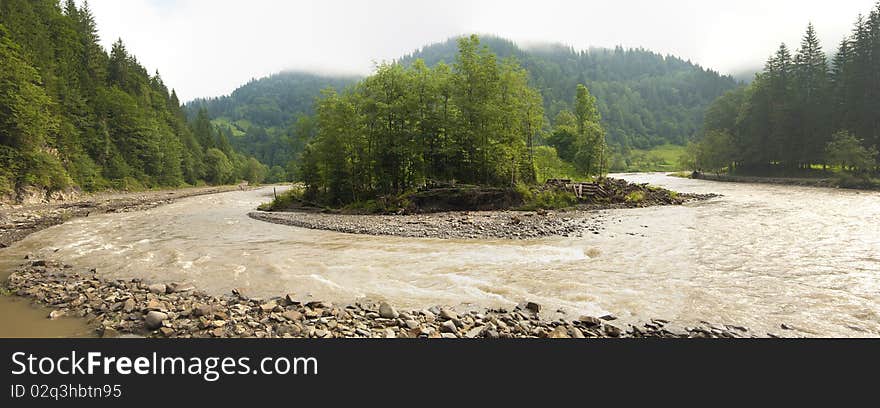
[(208, 48)]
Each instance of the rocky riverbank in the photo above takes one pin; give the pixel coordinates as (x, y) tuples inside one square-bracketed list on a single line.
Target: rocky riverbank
[(789, 181), (178, 310), (579, 221), (457, 225), (19, 221), (854, 183)]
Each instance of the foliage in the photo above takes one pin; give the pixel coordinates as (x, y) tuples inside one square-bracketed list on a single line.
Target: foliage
[(73, 114), (219, 168), (268, 118), (579, 137), (285, 200), (635, 197), (666, 157), (545, 199), (714, 152), (847, 151), (550, 166), (800, 113), (644, 99), (473, 122)]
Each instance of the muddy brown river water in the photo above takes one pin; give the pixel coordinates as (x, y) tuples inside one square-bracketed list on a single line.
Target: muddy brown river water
[(760, 256)]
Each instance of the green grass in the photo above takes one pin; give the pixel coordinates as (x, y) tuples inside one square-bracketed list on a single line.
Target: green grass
[(238, 127), (635, 197), (284, 200), (552, 199), (660, 158)]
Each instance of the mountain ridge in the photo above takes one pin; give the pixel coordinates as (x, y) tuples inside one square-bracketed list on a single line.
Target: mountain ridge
[(646, 99)]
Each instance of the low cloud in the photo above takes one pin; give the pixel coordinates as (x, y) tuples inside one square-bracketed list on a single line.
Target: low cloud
[(210, 47)]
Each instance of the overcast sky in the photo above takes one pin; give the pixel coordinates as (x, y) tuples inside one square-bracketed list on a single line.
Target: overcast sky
[(210, 47)]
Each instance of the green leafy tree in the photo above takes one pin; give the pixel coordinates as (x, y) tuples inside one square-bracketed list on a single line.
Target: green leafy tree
[(589, 157), (407, 126), (219, 169), (847, 151)]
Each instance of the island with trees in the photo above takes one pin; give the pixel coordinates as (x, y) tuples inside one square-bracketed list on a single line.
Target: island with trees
[(460, 137)]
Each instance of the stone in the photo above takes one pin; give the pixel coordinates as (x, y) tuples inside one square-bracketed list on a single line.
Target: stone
[(268, 306), (292, 315), (559, 333), (448, 327), (129, 305), (609, 317), (240, 292), (474, 332), (109, 333), (47, 264), (362, 332), (411, 324), (577, 333), (56, 314), (154, 319), (612, 331), (533, 307), (202, 309), (448, 314), (154, 304), (312, 314), (590, 321), (166, 331), (386, 311), (291, 299), (289, 329), (449, 336), (179, 287), (158, 288)]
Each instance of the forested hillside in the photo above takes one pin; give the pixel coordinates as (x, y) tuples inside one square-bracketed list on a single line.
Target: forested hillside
[(74, 115), (645, 99), (805, 110), (264, 117)]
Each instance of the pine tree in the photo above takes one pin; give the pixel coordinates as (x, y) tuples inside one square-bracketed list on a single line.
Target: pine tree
[(841, 84), (779, 86), (811, 87)]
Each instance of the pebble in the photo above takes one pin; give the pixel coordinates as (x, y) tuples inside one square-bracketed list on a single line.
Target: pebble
[(448, 327), (125, 308), (292, 315), (386, 311), (158, 288), (154, 319), (448, 314), (129, 305), (533, 307)]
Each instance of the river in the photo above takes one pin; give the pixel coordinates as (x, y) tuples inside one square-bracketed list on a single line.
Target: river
[(759, 256)]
